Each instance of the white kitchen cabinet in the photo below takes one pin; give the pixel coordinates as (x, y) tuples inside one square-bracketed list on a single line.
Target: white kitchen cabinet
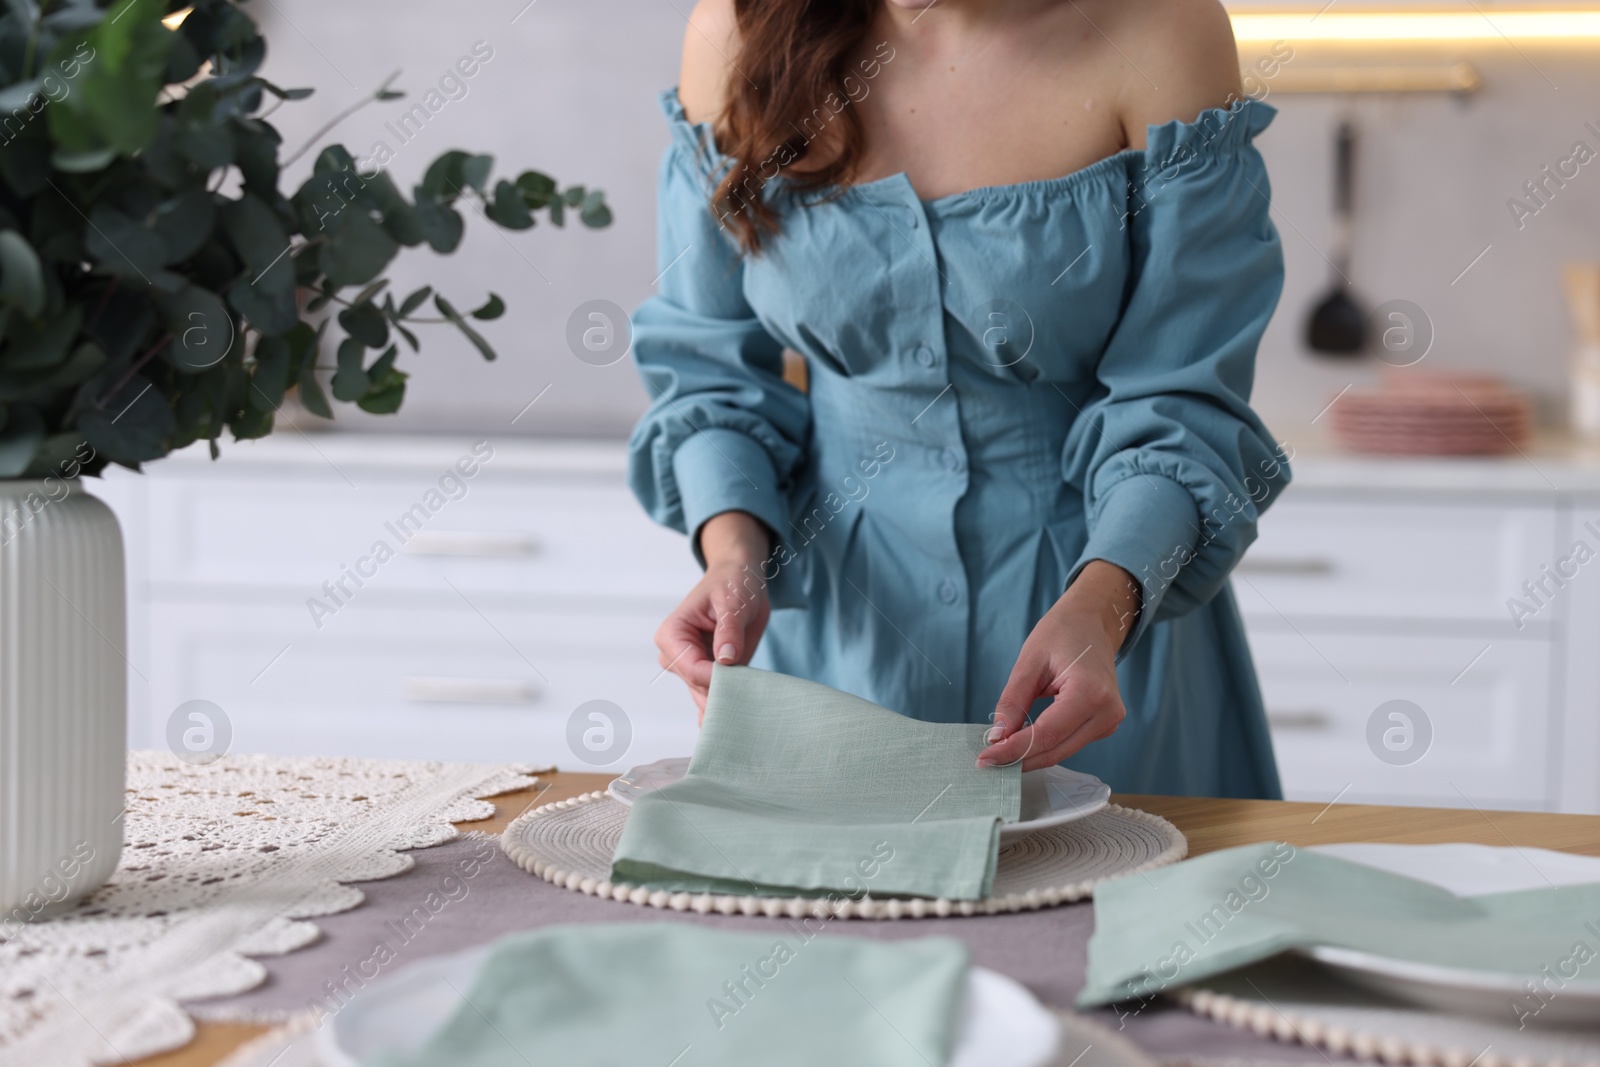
[(1375, 557), (539, 586), (1478, 733), (510, 599), (1378, 580), (437, 680)]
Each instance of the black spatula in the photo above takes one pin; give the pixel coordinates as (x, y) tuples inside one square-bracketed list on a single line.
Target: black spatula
[(1337, 325)]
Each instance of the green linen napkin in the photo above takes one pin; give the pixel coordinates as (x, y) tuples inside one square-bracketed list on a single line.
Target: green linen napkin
[(1206, 916), (799, 789), (631, 994)]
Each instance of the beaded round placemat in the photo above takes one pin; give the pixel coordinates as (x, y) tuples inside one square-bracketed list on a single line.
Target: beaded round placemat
[(570, 842), (1309, 1005)]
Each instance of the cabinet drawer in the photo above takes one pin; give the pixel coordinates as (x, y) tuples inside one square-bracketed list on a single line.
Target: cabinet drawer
[(1335, 557), (501, 535), (420, 684), (1487, 712)]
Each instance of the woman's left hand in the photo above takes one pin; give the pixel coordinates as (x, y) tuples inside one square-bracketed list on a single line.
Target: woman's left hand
[(1070, 656)]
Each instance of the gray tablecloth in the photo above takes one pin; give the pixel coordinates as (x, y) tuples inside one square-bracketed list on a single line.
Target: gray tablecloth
[(438, 907)]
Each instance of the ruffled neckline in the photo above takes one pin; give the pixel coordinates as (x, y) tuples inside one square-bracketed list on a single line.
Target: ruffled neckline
[(1166, 144)]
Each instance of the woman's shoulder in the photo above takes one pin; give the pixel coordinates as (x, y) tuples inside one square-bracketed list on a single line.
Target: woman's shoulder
[(710, 42), (1180, 59)]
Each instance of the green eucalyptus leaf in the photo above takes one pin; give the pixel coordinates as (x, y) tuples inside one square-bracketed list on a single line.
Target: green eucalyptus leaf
[(250, 423), (113, 97), (30, 345), (183, 62), (574, 195), (21, 276), (304, 343), (122, 245), (537, 189), (284, 94), (185, 222), (493, 308), (508, 209), (203, 333), (14, 98), (311, 394), (255, 153), (200, 138), (443, 180), (594, 212), (371, 291), (367, 324), (260, 240), (414, 301), (357, 249), (269, 378), (271, 313), (442, 225), (558, 212), (384, 363), (136, 423), (85, 361), (350, 381), (25, 166), (386, 394), (63, 455), (85, 162), (475, 171)]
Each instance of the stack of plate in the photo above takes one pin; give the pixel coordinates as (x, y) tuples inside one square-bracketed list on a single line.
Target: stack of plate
[(1413, 415)]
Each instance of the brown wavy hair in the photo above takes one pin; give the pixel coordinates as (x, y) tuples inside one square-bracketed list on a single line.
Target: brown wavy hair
[(788, 105)]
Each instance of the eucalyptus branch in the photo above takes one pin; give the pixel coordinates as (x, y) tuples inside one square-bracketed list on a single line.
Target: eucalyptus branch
[(376, 94)]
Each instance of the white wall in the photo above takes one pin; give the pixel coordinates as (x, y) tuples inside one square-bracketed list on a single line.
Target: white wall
[(571, 89)]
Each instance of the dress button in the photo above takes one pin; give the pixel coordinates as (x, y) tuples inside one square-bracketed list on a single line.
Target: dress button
[(925, 355), (947, 591), (912, 216), (951, 458)]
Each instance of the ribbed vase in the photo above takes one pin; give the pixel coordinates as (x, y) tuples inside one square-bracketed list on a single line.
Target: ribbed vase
[(63, 696)]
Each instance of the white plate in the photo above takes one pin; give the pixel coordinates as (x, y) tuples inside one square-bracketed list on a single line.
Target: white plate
[(1050, 797), (1466, 870), (1002, 1025)]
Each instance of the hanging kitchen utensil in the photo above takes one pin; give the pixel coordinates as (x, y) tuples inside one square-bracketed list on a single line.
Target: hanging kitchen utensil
[(1337, 325)]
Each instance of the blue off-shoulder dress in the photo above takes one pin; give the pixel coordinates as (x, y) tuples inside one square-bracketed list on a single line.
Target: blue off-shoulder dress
[(1004, 384)]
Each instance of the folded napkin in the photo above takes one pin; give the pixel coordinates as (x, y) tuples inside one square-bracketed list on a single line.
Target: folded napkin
[(799, 789), (1179, 924), (632, 994)]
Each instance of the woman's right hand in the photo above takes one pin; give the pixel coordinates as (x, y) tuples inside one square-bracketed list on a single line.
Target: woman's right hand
[(724, 615)]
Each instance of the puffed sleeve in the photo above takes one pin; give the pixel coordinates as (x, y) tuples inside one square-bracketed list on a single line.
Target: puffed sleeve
[(1174, 466), (724, 431)]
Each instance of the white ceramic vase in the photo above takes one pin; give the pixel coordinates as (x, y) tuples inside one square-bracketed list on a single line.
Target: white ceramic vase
[(63, 696)]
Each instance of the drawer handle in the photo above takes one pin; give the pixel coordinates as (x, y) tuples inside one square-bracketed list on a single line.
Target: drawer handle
[(1299, 719), (471, 543), (430, 690), (1301, 566)]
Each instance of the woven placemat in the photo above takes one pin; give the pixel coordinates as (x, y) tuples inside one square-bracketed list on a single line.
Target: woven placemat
[(1313, 1007), (570, 843)]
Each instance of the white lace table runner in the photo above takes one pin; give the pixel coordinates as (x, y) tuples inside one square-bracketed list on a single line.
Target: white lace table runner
[(220, 863)]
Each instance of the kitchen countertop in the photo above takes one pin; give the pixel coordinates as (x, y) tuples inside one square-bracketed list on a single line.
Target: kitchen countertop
[(1208, 823), (1551, 466)]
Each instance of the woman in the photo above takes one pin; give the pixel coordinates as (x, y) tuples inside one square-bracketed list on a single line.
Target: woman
[(1024, 249)]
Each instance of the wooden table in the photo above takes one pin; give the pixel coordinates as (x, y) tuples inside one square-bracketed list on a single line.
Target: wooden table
[(1209, 824)]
